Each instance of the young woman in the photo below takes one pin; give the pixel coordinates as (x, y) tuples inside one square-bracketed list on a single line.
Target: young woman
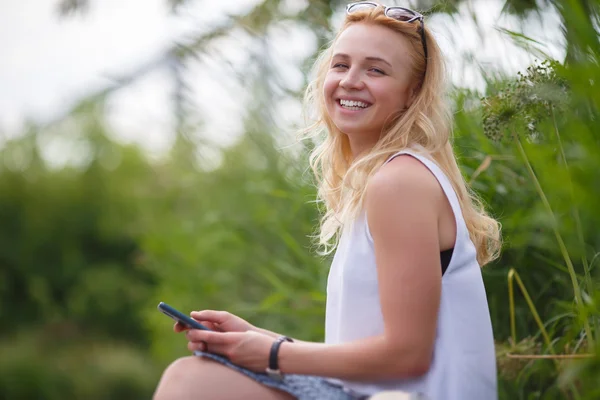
[(406, 305)]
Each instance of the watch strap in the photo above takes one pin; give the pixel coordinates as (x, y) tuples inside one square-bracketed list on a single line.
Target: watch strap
[(273, 369)]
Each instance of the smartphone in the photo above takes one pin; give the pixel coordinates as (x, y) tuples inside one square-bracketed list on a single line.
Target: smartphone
[(181, 317)]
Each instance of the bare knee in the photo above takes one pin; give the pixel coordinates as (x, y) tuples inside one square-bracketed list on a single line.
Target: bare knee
[(177, 380), (183, 364), (197, 378)]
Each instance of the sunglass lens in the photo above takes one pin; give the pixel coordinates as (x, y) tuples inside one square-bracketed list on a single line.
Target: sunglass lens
[(401, 14), (360, 7)]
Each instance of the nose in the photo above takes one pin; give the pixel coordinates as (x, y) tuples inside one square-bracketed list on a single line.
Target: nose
[(352, 80)]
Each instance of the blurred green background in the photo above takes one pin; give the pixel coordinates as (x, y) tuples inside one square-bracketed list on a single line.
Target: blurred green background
[(88, 248)]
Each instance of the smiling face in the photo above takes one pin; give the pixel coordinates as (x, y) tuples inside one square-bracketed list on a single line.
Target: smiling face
[(368, 81)]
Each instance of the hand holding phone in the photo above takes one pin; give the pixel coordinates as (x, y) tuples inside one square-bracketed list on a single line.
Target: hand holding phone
[(180, 317), (223, 321)]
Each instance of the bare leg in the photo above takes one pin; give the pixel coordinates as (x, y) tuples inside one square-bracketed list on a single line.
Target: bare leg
[(197, 378)]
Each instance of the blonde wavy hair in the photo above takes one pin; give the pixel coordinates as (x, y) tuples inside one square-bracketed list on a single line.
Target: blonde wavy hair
[(426, 124)]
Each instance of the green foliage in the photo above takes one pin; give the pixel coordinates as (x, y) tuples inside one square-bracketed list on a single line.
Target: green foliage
[(237, 239), (65, 247), (43, 365), (70, 269), (546, 120), (525, 103)]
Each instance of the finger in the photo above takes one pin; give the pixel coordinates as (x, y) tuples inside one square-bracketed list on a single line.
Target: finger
[(197, 346), (210, 325), (220, 349), (194, 346), (179, 327), (211, 338), (217, 317)]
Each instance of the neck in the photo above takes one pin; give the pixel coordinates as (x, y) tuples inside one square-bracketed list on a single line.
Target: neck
[(360, 145)]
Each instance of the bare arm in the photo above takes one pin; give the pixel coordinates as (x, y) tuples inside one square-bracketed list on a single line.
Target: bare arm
[(273, 334), (404, 202)]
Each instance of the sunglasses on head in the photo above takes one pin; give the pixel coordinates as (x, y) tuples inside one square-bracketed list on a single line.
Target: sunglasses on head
[(398, 13)]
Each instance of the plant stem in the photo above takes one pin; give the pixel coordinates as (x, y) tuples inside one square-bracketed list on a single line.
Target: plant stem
[(586, 268), (511, 307), (551, 356), (513, 275), (563, 249)]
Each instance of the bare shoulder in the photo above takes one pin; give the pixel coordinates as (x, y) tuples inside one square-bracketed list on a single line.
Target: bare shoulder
[(403, 179)]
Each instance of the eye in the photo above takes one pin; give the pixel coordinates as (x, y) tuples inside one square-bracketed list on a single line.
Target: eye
[(339, 65), (378, 71)]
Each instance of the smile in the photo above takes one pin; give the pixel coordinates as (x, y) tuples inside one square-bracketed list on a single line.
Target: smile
[(353, 105)]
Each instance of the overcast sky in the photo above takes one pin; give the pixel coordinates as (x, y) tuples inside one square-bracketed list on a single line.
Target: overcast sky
[(48, 63)]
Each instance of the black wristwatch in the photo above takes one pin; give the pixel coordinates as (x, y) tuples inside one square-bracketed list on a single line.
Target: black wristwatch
[(273, 370)]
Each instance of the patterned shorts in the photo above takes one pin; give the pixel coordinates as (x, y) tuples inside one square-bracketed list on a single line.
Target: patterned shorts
[(302, 387)]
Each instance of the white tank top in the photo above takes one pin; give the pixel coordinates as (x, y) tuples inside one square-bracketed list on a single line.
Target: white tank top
[(464, 362)]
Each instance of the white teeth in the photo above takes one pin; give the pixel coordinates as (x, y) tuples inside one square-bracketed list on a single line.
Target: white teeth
[(353, 104)]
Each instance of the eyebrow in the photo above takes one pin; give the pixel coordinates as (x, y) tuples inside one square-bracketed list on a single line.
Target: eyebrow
[(343, 55)]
